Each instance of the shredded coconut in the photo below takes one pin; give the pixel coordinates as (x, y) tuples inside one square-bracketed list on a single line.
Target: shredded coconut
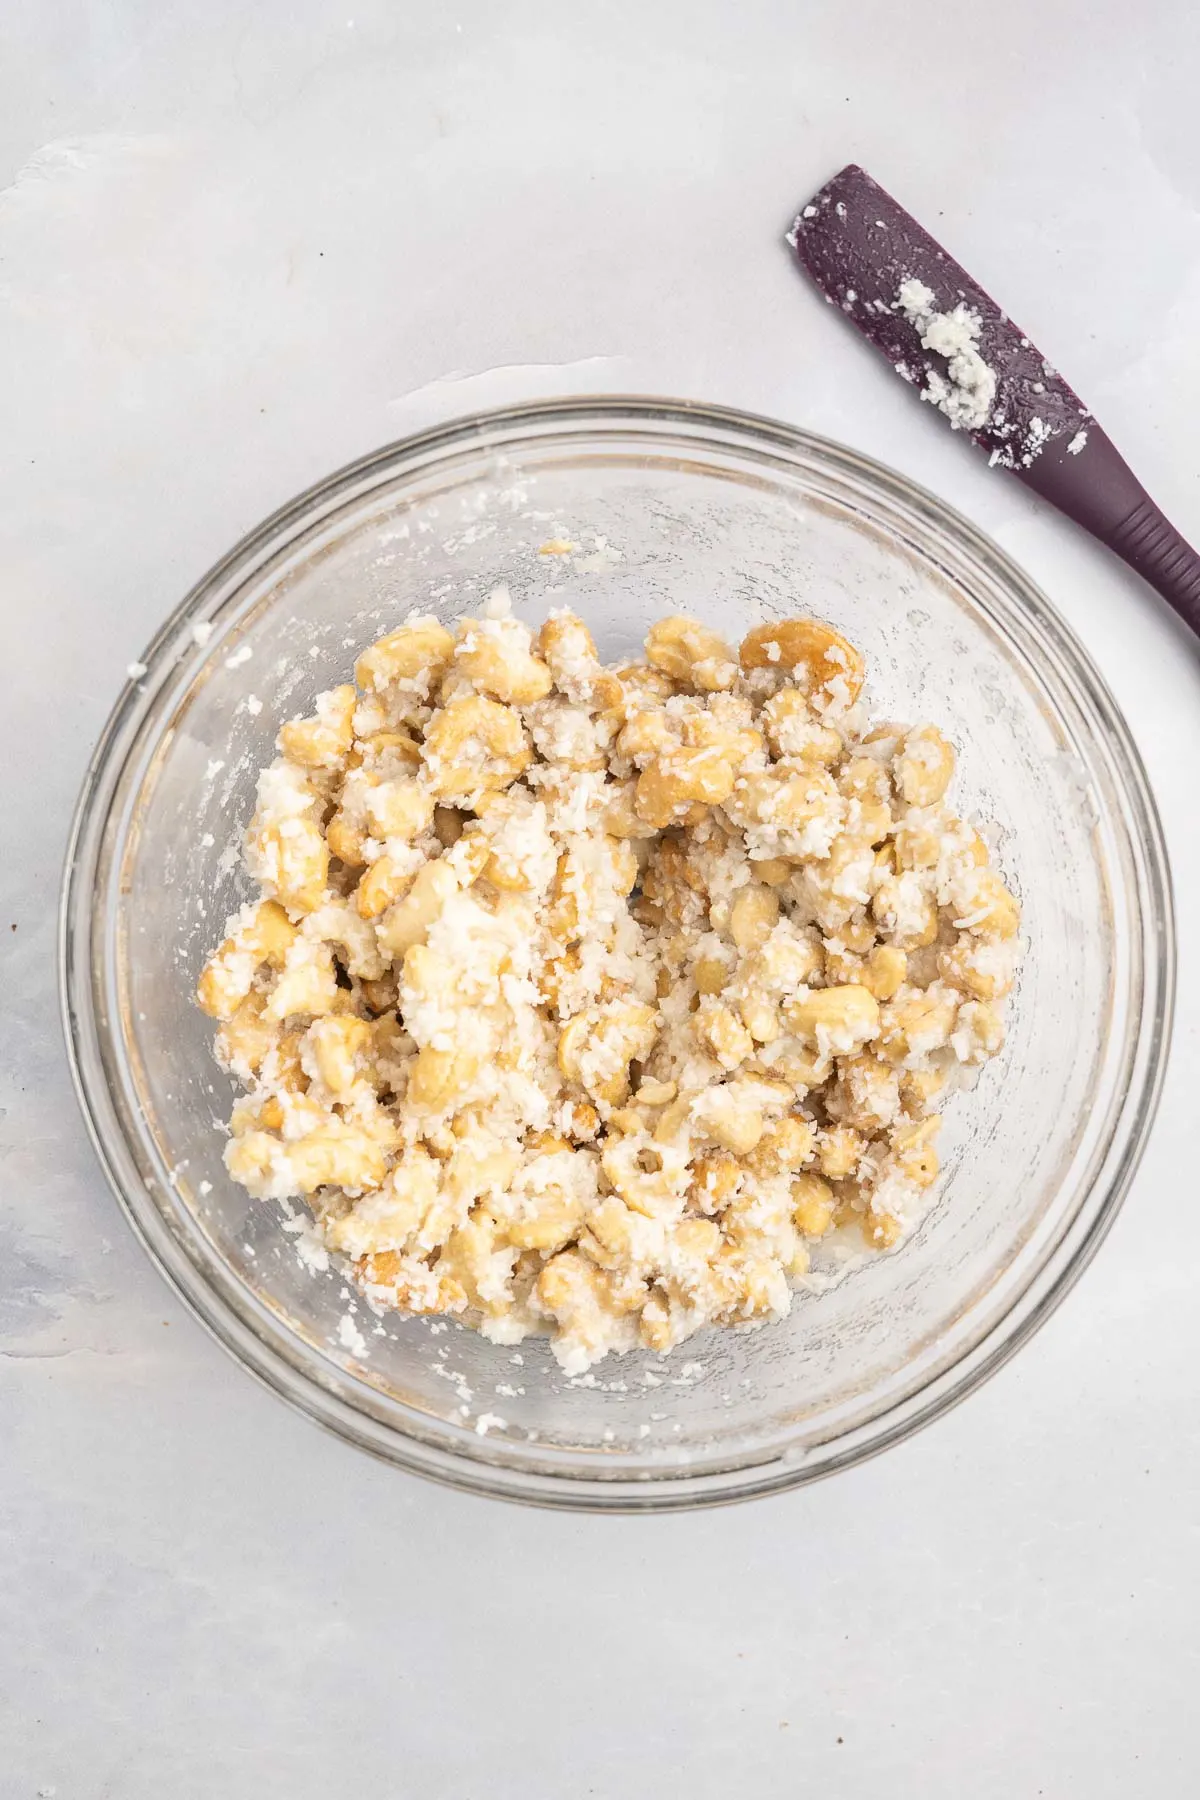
[(350, 1337), (967, 390)]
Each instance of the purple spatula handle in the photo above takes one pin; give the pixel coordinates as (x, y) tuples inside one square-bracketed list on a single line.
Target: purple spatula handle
[(1102, 493), (862, 249)]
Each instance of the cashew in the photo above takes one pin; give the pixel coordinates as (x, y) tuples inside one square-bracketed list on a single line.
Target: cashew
[(819, 658), (420, 649), (473, 744)]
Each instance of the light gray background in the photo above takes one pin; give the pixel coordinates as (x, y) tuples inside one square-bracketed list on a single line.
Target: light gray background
[(240, 244)]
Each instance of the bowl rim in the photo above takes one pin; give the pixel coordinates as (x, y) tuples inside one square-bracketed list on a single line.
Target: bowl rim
[(211, 1295)]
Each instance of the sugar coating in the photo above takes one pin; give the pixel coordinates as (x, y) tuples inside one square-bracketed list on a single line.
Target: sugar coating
[(584, 1000)]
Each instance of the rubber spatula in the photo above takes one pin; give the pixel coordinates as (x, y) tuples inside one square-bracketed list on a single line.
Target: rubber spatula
[(942, 332)]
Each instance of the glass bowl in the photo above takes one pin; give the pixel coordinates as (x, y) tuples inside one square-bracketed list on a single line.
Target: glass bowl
[(675, 508)]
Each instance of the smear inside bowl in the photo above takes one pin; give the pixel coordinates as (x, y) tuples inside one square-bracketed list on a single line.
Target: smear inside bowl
[(733, 520)]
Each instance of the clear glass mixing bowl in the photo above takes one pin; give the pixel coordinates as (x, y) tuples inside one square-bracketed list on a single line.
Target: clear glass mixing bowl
[(678, 508)]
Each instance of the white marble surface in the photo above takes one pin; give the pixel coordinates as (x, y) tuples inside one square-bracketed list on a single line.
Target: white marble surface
[(240, 244)]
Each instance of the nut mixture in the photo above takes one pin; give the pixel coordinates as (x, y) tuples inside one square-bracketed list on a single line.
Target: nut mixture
[(585, 999)]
